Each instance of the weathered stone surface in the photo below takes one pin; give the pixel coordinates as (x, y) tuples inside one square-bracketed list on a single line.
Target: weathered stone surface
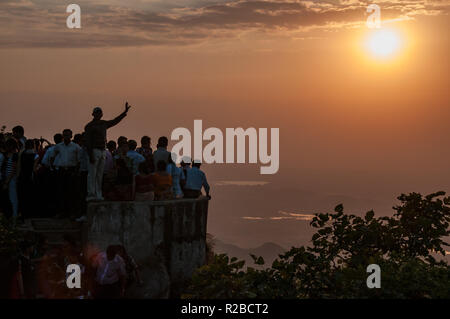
[(158, 234)]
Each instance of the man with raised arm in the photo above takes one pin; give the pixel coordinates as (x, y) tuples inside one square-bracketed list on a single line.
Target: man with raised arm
[(95, 132)]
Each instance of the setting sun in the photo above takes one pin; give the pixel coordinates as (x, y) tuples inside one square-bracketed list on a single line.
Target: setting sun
[(383, 43)]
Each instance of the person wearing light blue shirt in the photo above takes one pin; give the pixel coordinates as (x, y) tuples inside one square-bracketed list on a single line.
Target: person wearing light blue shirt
[(135, 156), (195, 180)]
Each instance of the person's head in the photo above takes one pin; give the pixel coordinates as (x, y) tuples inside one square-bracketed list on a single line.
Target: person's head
[(163, 142), (186, 161), (123, 148), (111, 252), (121, 141), (111, 146), (18, 131), (67, 135), (145, 142), (29, 145), (196, 163), (132, 145), (97, 113), (11, 145), (143, 168), (58, 138), (78, 138), (161, 166)]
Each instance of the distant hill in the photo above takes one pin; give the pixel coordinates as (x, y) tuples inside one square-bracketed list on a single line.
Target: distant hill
[(269, 251)]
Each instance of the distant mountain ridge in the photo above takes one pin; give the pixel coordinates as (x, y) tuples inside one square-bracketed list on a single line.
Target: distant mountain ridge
[(269, 251)]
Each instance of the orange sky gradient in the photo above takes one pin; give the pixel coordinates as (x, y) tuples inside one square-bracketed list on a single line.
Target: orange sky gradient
[(351, 127)]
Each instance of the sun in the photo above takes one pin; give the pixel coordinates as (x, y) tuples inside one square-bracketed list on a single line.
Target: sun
[(383, 43)]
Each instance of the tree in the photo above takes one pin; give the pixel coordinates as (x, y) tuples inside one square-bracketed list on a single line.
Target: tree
[(405, 246)]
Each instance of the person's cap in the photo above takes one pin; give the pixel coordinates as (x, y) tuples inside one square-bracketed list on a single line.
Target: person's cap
[(97, 109), (196, 161), (186, 160)]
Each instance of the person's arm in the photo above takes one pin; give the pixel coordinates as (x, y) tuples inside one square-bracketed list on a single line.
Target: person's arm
[(55, 153), (79, 151), (36, 164), (119, 118), (46, 141), (206, 185)]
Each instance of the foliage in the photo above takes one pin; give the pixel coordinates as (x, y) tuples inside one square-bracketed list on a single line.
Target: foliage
[(404, 246)]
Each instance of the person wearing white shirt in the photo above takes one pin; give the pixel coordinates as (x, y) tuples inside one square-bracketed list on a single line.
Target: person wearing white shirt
[(110, 276), (135, 156), (195, 180), (50, 154), (67, 176)]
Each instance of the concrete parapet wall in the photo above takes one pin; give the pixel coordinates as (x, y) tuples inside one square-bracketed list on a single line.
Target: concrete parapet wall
[(170, 233)]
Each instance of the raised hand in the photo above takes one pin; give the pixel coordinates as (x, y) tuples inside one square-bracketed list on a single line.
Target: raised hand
[(127, 106)]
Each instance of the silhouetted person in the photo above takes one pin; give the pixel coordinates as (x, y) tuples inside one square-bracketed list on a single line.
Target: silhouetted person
[(120, 141), (28, 161), (18, 133), (161, 153), (111, 148), (177, 176), (185, 166), (135, 156), (145, 148), (9, 173), (162, 182), (146, 151), (110, 274), (67, 172), (195, 180), (48, 178), (95, 145)]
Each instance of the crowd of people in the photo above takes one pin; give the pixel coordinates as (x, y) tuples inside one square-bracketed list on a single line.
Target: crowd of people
[(44, 179)]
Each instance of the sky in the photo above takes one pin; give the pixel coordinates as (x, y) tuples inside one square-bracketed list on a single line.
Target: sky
[(355, 127)]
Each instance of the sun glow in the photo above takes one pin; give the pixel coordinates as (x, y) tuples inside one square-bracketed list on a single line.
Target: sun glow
[(383, 43)]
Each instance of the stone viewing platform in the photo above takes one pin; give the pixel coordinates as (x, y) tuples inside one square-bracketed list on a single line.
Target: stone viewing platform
[(166, 238)]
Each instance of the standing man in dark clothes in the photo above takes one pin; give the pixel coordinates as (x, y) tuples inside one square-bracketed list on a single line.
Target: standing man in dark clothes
[(95, 146)]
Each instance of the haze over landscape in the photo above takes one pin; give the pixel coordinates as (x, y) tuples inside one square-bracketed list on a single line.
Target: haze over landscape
[(354, 128)]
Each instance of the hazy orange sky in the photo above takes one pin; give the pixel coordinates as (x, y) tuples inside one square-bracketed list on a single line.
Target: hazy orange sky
[(353, 128)]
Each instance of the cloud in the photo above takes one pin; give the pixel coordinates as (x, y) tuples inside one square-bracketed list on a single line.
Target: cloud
[(32, 23), (284, 216)]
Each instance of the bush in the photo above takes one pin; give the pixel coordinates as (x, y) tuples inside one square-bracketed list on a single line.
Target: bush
[(404, 246)]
